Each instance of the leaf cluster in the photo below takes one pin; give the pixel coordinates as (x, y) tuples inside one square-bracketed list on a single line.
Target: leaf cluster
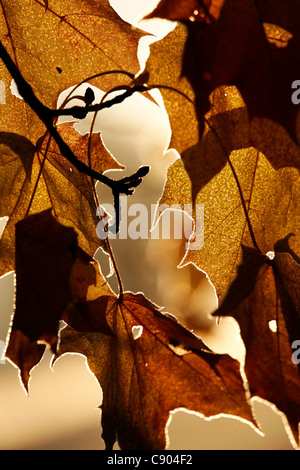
[(225, 75)]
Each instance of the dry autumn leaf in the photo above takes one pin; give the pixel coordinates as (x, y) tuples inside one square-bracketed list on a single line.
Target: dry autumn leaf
[(240, 190), (45, 254), (164, 68), (264, 299), (51, 273), (44, 42), (34, 179), (249, 45), (151, 366), (58, 46), (246, 191), (247, 202), (65, 43)]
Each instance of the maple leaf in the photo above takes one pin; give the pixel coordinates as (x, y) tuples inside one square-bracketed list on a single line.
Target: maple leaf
[(90, 35), (149, 367), (66, 43), (51, 273), (250, 45), (57, 45), (233, 186), (33, 179), (264, 299), (246, 202), (163, 69)]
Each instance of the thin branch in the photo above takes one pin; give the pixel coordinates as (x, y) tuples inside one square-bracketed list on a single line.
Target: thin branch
[(93, 77), (46, 115), (80, 112), (117, 214)]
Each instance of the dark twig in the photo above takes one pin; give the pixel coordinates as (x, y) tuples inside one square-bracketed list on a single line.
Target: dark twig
[(80, 112), (46, 115)]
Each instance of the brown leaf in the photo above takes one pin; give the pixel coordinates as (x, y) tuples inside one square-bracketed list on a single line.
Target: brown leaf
[(35, 179), (56, 45), (264, 299), (271, 205), (45, 254), (49, 270), (66, 43), (242, 49), (259, 41), (164, 67), (193, 10), (151, 366)]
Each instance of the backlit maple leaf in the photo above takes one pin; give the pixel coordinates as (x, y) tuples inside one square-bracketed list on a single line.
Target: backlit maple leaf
[(35, 179), (264, 299), (149, 367)]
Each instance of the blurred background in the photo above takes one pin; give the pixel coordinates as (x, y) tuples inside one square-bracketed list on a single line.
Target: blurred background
[(61, 411)]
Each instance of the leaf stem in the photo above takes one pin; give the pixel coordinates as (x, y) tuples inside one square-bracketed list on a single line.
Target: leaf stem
[(238, 185), (115, 266), (117, 212)]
